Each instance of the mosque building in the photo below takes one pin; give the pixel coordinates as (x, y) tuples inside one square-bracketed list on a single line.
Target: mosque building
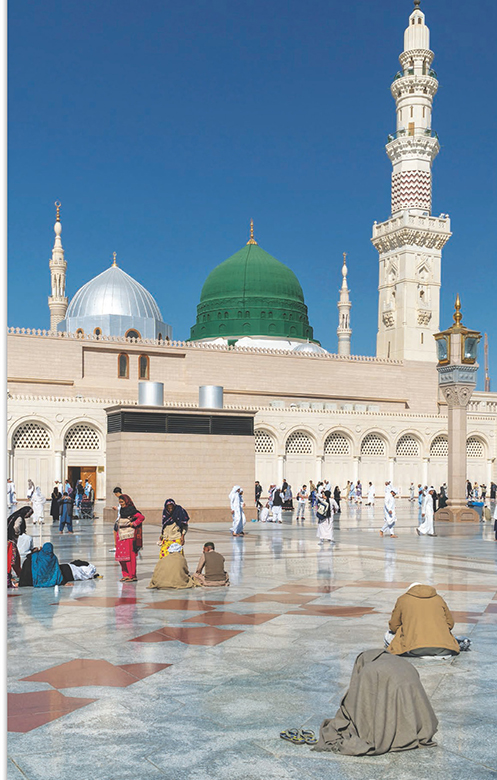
[(339, 416)]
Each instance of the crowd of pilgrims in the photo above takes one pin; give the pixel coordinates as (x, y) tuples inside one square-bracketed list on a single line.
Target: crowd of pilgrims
[(28, 565), (383, 682)]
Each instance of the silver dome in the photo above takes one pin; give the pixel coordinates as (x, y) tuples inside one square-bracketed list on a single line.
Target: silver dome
[(310, 347), (113, 292)]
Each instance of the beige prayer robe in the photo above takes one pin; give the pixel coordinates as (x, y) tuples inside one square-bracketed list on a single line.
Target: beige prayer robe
[(171, 572), (421, 618)]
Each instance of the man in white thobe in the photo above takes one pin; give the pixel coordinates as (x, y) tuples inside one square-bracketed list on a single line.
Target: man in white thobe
[(426, 527), (371, 492), (11, 497), (390, 516)]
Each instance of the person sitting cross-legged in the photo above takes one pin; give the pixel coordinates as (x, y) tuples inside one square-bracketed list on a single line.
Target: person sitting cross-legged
[(421, 624), (212, 563)]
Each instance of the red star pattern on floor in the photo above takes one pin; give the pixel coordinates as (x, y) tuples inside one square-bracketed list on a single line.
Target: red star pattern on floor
[(87, 671), (28, 711)]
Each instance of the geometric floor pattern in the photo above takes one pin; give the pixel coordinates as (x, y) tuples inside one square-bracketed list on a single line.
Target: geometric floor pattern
[(110, 680)]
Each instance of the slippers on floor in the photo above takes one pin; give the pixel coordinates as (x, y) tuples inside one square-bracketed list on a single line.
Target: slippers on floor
[(309, 737), (299, 736), (293, 735)]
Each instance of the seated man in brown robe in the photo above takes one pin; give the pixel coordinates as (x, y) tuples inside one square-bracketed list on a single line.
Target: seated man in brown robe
[(385, 710), (213, 563), (421, 624)]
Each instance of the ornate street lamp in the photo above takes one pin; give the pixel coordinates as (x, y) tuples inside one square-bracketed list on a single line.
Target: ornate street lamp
[(457, 350)]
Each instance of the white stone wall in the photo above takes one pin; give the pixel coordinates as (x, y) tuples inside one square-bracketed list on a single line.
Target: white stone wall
[(33, 421), (381, 446)]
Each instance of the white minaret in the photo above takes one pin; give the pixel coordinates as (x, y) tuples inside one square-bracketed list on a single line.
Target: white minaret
[(344, 331), (57, 302), (410, 242)]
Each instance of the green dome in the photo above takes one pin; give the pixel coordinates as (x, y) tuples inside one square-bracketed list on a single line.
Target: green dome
[(251, 294)]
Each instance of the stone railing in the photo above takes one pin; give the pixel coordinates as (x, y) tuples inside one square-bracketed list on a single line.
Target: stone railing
[(202, 345), (482, 407), (271, 409)]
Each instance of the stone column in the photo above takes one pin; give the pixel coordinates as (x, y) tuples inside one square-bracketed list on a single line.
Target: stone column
[(489, 474), (319, 468), (58, 462), (281, 464), (457, 397), (425, 471), (355, 469), (391, 469), (10, 465)]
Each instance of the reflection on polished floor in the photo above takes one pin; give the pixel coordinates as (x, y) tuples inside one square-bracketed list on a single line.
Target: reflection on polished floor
[(110, 681)]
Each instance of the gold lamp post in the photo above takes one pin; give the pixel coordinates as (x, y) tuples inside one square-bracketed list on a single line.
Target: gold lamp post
[(457, 349)]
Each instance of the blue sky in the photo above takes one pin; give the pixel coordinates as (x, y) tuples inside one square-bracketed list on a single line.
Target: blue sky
[(164, 127)]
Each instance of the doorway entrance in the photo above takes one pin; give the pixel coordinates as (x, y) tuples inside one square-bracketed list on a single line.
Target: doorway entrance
[(83, 472)]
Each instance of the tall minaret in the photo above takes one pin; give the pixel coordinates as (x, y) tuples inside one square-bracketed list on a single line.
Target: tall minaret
[(57, 302), (410, 242), (344, 331)]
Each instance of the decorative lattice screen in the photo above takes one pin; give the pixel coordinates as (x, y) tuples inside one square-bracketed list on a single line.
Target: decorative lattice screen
[(336, 444), (298, 443), (407, 445), (372, 445), (474, 448), (82, 437), (264, 443), (439, 447), (31, 436)]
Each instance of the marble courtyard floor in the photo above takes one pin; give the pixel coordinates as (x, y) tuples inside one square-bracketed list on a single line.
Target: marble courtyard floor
[(115, 682)]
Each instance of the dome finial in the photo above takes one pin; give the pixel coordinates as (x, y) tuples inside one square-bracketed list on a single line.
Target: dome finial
[(417, 3), (457, 316), (251, 239), (114, 264), (57, 205)]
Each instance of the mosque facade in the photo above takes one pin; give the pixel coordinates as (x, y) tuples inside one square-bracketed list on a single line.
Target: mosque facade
[(336, 416)]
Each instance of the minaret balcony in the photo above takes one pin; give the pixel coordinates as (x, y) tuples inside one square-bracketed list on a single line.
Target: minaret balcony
[(425, 132), (410, 72)]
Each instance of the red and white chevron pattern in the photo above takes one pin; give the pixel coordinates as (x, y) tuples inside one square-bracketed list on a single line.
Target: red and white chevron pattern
[(411, 189)]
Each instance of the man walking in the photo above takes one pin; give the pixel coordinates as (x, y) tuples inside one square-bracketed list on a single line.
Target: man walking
[(302, 497), (390, 516)]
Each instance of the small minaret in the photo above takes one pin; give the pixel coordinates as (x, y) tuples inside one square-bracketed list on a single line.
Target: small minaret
[(344, 330), (57, 301)]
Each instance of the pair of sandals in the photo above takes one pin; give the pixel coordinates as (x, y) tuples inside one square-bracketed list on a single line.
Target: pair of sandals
[(128, 579), (299, 736)]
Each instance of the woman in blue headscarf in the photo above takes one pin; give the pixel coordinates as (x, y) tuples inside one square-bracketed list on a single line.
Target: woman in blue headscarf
[(41, 569)]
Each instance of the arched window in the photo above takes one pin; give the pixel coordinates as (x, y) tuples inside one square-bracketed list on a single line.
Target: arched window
[(264, 443), (407, 445), (31, 436), (336, 444), (97, 332), (298, 443), (474, 447), (123, 366), (372, 444), (132, 334), (80, 333), (226, 315), (143, 367), (82, 437), (439, 447)]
